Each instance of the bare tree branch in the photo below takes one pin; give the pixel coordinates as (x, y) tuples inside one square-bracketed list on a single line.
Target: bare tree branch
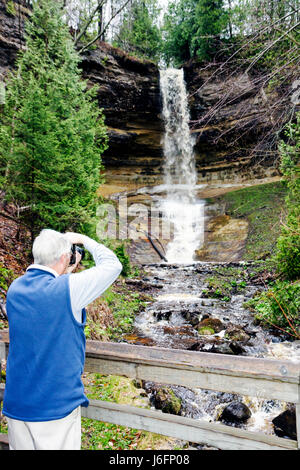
[(88, 21), (105, 28), (271, 45)]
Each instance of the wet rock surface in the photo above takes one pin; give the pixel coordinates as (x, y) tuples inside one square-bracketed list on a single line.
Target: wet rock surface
[(186, 315), (165, 399), (232, 121), (224, 237), (285, 423), (235, 412)]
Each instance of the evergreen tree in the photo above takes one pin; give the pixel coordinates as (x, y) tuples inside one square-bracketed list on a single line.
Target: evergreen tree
[(52, 132), (139, 33), (211, 20), (179, 29), (193, 28)]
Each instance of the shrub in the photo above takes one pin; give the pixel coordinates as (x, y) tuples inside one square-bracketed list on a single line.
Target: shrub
[(124, 259), (288, 244), (279, 307)]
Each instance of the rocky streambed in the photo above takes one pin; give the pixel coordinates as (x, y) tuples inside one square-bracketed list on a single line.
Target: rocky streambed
[(203, 307)]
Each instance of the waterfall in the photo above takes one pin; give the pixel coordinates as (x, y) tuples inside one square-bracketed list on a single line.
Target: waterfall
[(181, 208)]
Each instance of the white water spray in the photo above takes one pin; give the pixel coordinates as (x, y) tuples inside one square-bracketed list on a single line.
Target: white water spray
[(181, 207)]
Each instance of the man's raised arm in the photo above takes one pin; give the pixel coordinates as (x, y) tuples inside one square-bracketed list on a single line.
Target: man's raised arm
[(87, 285)]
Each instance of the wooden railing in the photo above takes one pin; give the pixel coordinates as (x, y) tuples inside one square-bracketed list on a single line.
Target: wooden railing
[(253, 377)]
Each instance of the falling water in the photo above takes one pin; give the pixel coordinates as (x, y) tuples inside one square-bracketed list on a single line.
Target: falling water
[(181, 207)]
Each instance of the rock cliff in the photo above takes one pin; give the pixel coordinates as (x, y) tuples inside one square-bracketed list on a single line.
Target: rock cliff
[(231, 122), (11, 32), (128, 92), (130, 97)]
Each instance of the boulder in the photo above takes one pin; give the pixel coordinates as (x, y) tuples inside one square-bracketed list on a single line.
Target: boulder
[(165, 399), (285, 424), (235, 412)]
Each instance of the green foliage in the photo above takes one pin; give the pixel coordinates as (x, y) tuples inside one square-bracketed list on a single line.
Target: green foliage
[(262, 206), (124, 306), (288, 244), (120, 251), (214, 28), (6, 277), (179, 29), (211, 20), (105, 436), (52, 132), (138, 33), (224, 283), (98, 435), (10, 8), (193, 28), (279, 307)]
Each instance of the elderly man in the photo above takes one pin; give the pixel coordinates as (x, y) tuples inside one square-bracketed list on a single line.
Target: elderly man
[(46, 314)]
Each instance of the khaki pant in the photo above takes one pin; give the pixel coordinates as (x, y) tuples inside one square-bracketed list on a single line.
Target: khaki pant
[(59, 434)]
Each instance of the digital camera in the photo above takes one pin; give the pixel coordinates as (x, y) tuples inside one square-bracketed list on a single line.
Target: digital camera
[(73, 255)]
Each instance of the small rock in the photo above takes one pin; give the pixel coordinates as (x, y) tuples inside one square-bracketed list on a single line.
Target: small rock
[(214, 323), (222, 348), (236, 348), (137, 383), (235, 333), (165, 399)]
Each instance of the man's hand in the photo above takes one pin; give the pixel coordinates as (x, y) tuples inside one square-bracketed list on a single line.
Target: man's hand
[(73, 267), (75, 238)]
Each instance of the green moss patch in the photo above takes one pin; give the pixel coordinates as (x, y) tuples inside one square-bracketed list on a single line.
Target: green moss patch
[(263, 206)]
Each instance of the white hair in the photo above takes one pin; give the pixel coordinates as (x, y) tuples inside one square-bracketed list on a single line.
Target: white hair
[(48, 247)]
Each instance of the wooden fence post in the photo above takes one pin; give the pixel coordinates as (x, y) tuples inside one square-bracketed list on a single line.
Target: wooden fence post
[(2, 356), (298, 420), (3, 438)]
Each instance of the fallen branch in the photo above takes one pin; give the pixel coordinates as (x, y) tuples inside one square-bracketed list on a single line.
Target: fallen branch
[(154, 246)]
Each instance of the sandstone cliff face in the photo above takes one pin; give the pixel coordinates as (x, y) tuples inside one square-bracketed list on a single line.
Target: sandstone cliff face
[(128, 92), (231, 124), (130, 97), (11, 33)]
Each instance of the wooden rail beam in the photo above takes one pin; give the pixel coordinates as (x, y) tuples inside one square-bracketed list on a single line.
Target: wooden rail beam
[(256, 377), (187, 429)]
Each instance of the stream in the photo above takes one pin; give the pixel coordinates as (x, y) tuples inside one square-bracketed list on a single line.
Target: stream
[(181, 304)]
